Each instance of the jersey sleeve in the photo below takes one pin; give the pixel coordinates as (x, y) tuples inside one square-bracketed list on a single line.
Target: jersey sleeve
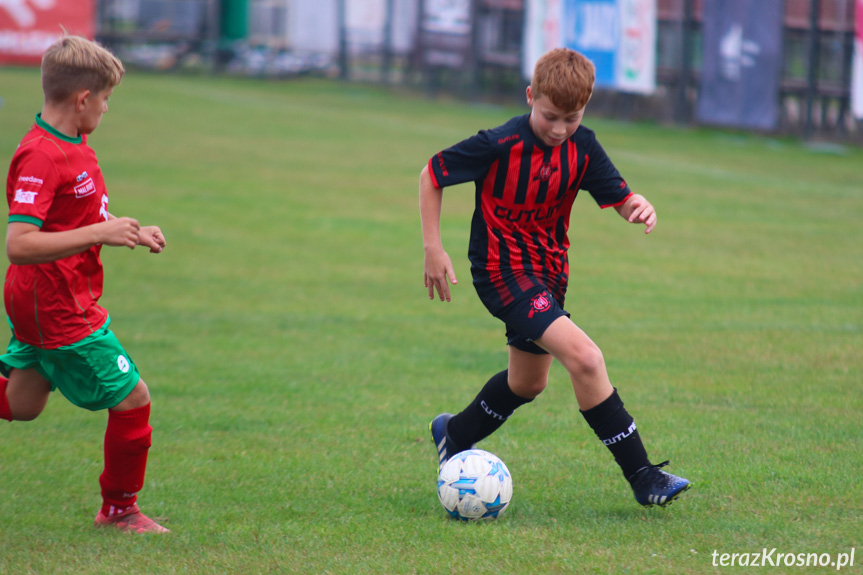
[(33, 180), (602, 180), (467, 161)]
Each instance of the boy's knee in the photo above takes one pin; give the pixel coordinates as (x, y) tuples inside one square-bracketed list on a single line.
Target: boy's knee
[(585, 360), (27, 394), (25, 414), (529, 389), (27, 408), (138, 397)]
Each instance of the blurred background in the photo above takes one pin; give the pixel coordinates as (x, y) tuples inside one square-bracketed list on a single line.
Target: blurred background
[(789, 67)]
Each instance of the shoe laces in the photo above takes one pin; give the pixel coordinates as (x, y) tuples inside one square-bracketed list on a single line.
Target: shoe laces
[(651, 475)]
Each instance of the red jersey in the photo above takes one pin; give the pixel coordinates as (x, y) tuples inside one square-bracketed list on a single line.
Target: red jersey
[(55, 183)]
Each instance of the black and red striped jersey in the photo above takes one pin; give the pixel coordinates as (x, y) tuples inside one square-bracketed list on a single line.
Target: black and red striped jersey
[(524, 195)]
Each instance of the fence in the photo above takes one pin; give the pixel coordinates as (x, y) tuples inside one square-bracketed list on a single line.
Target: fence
[(815, 86), (479, 55)]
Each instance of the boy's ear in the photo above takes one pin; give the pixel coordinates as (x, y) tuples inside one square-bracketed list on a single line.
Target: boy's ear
[(81, 99), (529, 94)]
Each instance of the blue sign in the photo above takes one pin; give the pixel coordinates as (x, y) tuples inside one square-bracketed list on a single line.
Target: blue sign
[(618, 36)]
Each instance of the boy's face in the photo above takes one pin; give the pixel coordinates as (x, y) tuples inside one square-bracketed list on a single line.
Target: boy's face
[(91, 107), (549, 123)]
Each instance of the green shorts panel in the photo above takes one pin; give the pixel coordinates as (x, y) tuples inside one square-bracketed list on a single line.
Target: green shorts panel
[(94, 373)]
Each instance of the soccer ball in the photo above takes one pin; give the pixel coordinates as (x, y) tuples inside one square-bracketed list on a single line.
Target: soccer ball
[(474, 484)]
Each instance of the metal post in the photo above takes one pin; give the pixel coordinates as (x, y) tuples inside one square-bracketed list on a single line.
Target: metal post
[(386, 65), (341, 8), (473, 60), (683, 113), (812, 76)]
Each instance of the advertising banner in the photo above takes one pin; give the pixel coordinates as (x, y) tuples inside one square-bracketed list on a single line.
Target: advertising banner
[(857, 79), (445, 33), (541, 31), (28, 27), (619, 37), (742, 63)]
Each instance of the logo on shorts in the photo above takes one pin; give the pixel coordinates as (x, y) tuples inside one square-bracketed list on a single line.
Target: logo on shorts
[(539, 304), (123, 364)]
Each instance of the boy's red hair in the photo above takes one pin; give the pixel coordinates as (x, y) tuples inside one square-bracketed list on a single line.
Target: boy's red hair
[(565, 77)]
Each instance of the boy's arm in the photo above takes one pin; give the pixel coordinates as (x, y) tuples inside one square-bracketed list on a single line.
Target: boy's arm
[(28, 244), (438, 266), (637, 210)]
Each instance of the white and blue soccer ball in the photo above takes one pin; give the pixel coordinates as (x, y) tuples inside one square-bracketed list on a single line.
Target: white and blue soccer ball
[(474, 484)]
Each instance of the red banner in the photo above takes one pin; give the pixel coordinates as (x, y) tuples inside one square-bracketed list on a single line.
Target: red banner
[(28, 27)]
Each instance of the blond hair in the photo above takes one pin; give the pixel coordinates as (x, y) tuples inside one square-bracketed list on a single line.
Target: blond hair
[(74, 63), (565, 77)]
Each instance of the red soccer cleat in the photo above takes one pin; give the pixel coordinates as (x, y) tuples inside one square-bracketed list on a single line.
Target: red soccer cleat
[(131, 520)]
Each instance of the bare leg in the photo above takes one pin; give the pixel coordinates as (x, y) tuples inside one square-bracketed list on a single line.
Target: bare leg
[(27, 393), (581, 358)]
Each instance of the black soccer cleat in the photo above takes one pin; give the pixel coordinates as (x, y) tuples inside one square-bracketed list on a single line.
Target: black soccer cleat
[(652, 486)]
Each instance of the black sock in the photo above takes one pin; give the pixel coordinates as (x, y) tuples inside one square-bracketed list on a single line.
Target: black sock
[(615, 428), (491, 407)]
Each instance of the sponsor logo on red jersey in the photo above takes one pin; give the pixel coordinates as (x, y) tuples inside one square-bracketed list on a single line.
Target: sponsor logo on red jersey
[(25, 197), (85, 188), (31, 180)]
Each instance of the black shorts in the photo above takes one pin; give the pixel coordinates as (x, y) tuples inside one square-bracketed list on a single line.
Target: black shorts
[(528, 317)]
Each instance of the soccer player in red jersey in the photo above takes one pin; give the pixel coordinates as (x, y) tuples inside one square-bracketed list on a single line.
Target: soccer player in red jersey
[(527, 174), (58, 223)]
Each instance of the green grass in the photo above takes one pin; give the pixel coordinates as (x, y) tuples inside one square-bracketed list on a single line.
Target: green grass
[(294, 360)]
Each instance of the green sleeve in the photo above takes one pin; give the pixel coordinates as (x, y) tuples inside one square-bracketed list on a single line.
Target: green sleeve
[(25, 220)]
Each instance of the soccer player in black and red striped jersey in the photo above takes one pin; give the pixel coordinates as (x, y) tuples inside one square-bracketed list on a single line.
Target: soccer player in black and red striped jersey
[(528, 173)]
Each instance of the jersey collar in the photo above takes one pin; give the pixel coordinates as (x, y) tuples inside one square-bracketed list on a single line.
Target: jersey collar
[(51, 130)]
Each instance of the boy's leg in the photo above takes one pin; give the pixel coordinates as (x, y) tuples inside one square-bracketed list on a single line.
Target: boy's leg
[(603, 410), (597, 399), (5, 412), (127, 441), (24, 395), (581, 358), (525, 378)]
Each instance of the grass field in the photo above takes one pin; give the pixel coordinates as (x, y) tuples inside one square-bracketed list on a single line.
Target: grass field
[(295, 361)]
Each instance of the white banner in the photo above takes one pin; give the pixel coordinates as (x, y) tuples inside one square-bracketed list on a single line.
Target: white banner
[(619, 37), (541, 31), (445, 33), (857, 73), (313, 26)]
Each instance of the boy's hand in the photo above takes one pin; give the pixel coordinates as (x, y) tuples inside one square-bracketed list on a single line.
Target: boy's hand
[(637, 210), (120, 232), (438, 267), (153, 238)]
